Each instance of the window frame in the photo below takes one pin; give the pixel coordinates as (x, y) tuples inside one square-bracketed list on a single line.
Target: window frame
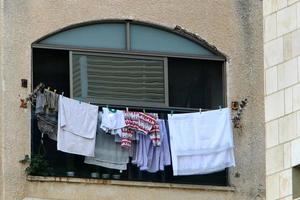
[(127, 52)]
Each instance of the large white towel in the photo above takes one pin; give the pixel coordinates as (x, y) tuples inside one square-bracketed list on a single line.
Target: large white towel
[(77, 124), (201, 143)]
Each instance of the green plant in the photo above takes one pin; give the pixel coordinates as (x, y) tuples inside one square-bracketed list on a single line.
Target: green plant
[(38, 166)]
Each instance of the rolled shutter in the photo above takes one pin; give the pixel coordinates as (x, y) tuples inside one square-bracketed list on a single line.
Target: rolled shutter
[(115, 80)]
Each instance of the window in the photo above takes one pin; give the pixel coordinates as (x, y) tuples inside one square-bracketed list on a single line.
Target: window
[(129, 64), (296, 181)]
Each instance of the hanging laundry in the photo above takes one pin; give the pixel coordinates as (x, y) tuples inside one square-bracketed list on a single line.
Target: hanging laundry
[(77, 124), (47, 126), (164, 149), (146, 123), (140, 123), (149, 126), (46, 111), (51, 104), (154, 133), (149, 157), (40, 102), (201, 143), (129, 131), (112, 121), (108, 153)]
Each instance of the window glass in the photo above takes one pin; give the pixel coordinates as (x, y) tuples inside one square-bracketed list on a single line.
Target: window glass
[(110, 36), (145, 38)]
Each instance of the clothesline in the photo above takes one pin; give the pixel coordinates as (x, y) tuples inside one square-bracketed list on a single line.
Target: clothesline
[(81, 129), (156, 109), (136, 108)]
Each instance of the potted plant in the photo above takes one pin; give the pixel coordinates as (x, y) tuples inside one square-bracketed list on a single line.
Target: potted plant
[(38, 166)]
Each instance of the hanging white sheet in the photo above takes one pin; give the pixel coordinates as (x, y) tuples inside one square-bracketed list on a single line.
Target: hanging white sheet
[(77, 124), (201, 143)]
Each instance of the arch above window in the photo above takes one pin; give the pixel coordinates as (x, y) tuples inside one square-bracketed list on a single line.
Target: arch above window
[(131, 37)]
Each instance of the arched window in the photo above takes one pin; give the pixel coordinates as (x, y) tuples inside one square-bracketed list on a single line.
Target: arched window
[(131, 37), (132, 64)]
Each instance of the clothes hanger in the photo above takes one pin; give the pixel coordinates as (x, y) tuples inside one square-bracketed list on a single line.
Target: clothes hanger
[(112, 110)]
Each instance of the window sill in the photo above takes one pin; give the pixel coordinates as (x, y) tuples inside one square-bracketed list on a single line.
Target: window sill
[(129, 183)]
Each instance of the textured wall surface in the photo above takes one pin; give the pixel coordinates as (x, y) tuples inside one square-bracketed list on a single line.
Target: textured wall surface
[(233, 26), (282, 97), (1, 97)]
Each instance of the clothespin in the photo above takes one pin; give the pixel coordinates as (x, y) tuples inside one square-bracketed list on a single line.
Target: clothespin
[(144, 111), (62, 94), (23, 103), (48, 88), (54, 91), (79, 101), (200, 110), (106, 106), (127, 110), (220, 107), (172, 112)]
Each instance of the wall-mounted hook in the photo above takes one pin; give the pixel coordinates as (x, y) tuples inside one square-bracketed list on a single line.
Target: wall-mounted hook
[(237, 118), (23, 103)]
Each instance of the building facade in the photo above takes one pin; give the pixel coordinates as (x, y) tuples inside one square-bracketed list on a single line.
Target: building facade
[(281, 47), (233, 28)]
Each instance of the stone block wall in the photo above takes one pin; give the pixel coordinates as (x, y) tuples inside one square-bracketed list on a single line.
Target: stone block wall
[(282, 97)]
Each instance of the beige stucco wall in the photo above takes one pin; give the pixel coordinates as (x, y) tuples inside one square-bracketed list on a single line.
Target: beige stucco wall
[(282, 97), (233, 26), (1, 96)]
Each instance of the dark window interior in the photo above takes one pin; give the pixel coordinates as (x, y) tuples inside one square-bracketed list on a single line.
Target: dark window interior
[(195, 83), (192, 84)]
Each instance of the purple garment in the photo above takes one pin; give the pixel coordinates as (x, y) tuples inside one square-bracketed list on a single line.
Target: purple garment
[(153, 158), (165, 153)]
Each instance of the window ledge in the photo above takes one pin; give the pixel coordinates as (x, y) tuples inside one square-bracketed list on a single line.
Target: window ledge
[(130, 183)]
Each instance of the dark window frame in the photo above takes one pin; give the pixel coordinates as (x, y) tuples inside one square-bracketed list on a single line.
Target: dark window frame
[(127, 52)]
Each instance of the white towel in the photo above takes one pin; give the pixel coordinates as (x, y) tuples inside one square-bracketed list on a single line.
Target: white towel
[(77, 124), (201, 143)]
